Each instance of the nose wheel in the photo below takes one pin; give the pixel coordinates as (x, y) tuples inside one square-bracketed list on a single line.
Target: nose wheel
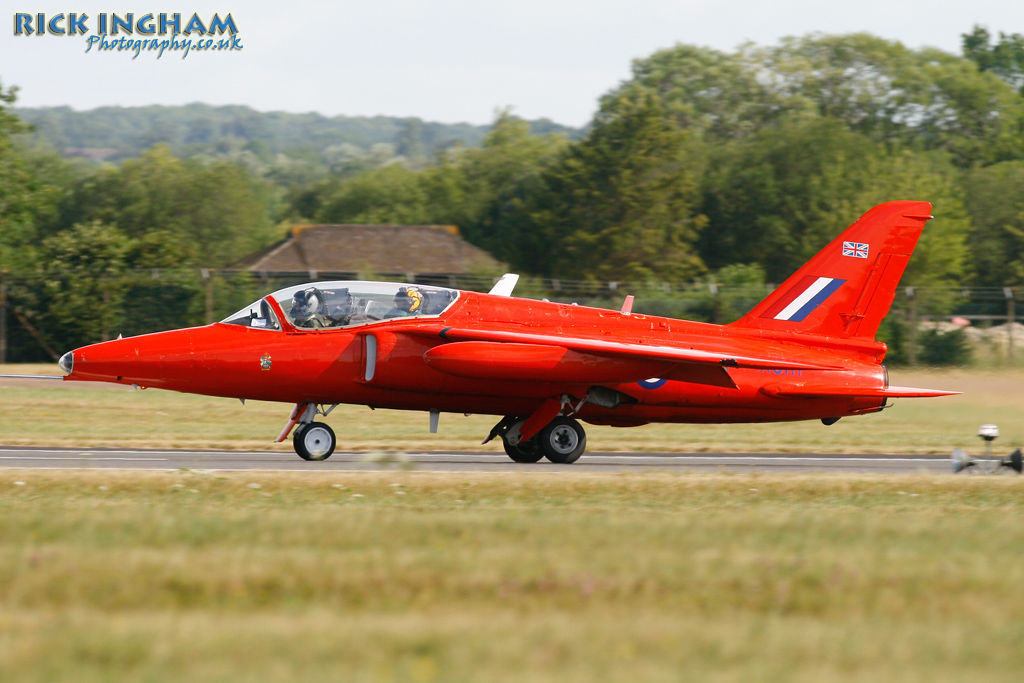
[(314, 441)]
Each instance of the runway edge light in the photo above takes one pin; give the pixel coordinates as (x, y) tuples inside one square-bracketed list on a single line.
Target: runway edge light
[(988, 432)]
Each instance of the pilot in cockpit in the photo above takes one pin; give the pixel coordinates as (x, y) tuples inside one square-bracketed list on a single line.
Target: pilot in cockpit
[(408, 301), (307, 308)]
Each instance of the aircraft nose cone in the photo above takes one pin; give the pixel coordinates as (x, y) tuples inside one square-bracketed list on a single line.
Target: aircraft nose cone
[(67, 362)]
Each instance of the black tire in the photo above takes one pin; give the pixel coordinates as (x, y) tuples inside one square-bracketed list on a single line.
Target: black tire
[(314, 441), (527, 451), (563, 440)]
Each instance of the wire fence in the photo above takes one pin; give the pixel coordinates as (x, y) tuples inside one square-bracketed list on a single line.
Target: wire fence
[(44, 313)]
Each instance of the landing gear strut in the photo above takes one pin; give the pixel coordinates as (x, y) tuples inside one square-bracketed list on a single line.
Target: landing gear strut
[(561, 441)]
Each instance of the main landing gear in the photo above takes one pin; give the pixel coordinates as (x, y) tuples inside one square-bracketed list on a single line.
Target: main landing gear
[(562, 441), (527, 451), (312, 440)]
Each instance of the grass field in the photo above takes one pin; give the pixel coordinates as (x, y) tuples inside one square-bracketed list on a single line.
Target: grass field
[(175, 576), (95, 415)]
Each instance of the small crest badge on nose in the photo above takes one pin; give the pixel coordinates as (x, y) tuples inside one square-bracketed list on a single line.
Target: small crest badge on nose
[(265, 362)]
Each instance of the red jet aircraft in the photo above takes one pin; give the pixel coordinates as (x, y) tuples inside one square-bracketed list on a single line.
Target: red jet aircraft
[(808, 351)]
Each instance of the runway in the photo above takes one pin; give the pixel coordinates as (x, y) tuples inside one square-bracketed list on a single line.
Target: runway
[(489, 461)]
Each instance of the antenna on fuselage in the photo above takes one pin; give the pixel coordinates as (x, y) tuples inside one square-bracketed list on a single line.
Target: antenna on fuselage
[(505, 285)]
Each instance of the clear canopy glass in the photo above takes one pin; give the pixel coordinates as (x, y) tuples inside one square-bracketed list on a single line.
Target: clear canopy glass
[(332, 305), (258, 315)]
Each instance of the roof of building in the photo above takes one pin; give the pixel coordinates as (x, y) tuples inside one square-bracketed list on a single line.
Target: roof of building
[(372, 249)]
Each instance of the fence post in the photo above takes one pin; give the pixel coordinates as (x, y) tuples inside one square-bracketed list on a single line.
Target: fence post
[(911, 328), (1011, 315), (209, 294), (3, 317), (105, 314), (716, 302)]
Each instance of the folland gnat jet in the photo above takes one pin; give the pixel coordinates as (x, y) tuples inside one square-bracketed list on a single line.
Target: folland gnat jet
[(807, 352)]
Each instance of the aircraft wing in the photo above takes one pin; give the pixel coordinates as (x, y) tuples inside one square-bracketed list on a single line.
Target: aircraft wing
[(523, 356), (634, 350)]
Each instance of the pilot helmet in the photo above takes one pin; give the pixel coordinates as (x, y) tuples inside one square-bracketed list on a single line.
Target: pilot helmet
[(305, 303), (409, 299)]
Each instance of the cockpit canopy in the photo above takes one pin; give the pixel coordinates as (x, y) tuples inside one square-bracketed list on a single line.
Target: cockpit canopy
[(333, 305)]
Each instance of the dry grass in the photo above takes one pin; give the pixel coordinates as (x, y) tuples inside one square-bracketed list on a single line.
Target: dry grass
[(154, 576), (96, 415)]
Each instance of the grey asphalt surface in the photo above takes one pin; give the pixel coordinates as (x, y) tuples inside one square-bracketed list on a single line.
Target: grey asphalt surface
[(483, 461)]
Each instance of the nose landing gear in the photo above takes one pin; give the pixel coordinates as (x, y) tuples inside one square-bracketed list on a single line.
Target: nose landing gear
[(312, 440)]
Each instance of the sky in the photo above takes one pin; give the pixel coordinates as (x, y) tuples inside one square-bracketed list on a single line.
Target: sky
[(440, 60)]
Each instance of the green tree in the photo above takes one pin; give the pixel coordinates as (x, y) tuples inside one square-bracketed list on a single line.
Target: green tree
[(218, 213), (306, 203), (618, 205), (1005, 58), (388, 195), (942, 256), (25, 199), (945, 348), (770, 198), (480, 190), (995, 200), (85, 286), (704, 91), (923, 98), (410, 141), (228, 214), (781, 195), (496, 182)]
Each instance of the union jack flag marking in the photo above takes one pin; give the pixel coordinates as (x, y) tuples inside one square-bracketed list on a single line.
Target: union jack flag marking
[(855, 249)]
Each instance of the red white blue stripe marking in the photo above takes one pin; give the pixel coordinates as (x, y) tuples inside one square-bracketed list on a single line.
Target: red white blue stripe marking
[(807, 295)]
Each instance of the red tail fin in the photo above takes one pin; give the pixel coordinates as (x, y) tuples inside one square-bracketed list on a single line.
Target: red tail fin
[(847, 288)]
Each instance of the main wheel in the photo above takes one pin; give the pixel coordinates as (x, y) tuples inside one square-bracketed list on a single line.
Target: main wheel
[(525, 451), (314, 441), (563, 440)]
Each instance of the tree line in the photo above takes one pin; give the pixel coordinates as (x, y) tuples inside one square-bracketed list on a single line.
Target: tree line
[(202, 130), (729, 167)]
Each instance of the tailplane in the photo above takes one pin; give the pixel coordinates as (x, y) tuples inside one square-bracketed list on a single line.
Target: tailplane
[(847, 288)]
